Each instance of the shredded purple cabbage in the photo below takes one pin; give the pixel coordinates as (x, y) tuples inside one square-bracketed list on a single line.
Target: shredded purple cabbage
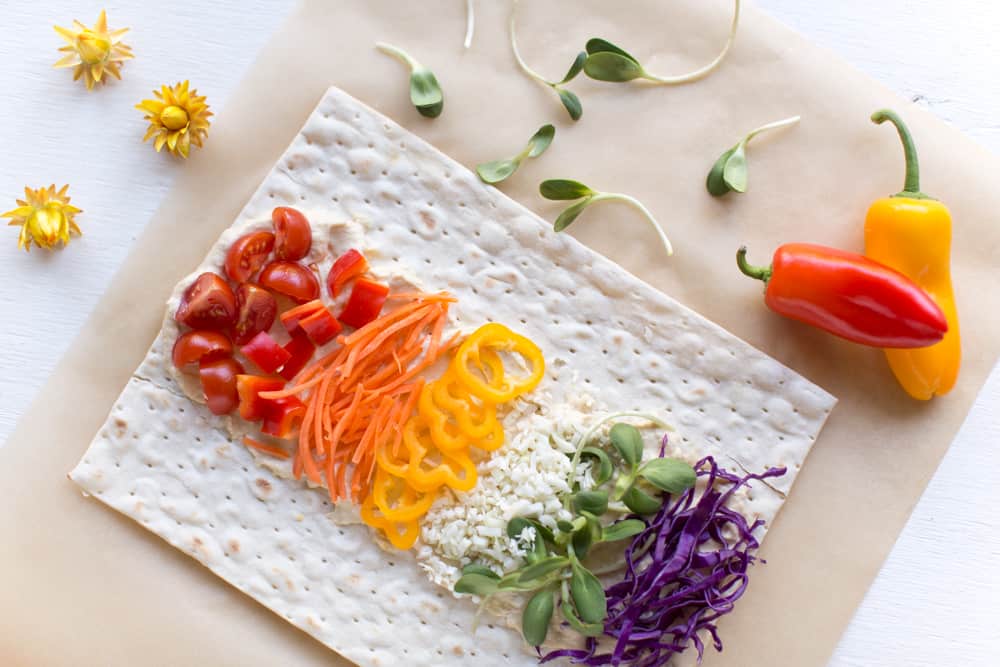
[(676, 584)]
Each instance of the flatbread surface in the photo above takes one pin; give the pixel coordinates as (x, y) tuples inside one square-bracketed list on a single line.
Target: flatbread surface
[(170, 465)]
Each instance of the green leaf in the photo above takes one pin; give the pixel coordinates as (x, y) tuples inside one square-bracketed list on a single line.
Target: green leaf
[(640, 502), (735, 171), (581, 543), (622, 530), (516, 526), (536, 617), (587, 535), (595, 502), (670, 475), (598, 45), (608, 66), (538, 551), (541, 139), (562, 188), (564, 526), (575, 68), (588, 595), (476, 584), (585, 629), (425, 92), (542, 568), (571, 102), (602, 473), (497, 170), (715, 183), (476, 568), (628, 441), (570, 213)]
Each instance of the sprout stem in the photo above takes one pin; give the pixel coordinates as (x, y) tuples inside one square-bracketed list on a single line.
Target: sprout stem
[(470, 23), (517, 54), (702, 72), (397, 53), (636, 204), (772, 126)]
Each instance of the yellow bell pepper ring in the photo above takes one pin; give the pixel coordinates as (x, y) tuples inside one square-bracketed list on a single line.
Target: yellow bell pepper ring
[(397, 500), (430, 468), (401, 535), (446, 435), (475, 418), (475, 352), (911, 232)]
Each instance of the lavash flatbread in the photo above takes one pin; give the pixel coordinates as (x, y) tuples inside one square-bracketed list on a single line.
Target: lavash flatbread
[(170, 465)]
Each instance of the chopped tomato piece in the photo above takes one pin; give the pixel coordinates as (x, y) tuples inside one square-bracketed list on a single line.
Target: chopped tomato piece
[(291, 317), (294, 235), (207, 303), (281, 416), (348, 266), (257, 310), (364, 304), (247, 254), (218, 381), (300, 350), (291, 279), (193, 346), (321, 326), (252, 406), (265, 353)]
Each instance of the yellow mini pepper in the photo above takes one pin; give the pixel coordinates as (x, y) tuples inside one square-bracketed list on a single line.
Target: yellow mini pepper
[(911, 232)]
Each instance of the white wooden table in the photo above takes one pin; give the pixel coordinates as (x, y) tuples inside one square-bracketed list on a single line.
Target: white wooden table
[(936, 601)]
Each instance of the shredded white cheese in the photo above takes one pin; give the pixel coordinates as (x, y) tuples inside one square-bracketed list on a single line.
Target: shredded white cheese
[(526, 477)]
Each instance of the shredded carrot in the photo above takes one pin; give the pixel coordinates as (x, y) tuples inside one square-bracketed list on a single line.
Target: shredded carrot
[(361, 394), (277, 452)]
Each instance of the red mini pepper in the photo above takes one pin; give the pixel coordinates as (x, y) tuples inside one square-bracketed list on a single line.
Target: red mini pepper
[(314, 319), (281, 415), (848, 295), (252, 406), (265, 352), (300, 350), (364, 304), (349, 265)]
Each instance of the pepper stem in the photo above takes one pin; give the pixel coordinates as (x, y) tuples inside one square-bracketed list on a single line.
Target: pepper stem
[(911, 184), (758, 272)]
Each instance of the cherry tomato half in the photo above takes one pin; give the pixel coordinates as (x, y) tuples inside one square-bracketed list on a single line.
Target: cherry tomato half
[(193, 346), (208, 303), (247, 254), (218, 381), (257, 310), (294, 235), (291, 279)]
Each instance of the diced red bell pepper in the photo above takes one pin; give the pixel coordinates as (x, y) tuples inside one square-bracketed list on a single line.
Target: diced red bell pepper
[(321, 326), (252, 406), (365, 303), (314, 319), (300, 350), (265, 352), (281, 416), (290, 318), (349, 265)]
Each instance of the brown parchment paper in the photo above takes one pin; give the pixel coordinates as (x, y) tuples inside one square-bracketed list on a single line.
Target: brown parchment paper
[(83, 585)]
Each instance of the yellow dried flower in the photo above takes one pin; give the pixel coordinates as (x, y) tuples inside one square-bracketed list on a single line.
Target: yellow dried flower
[(45, 217), (94, 52), (177, 118)]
